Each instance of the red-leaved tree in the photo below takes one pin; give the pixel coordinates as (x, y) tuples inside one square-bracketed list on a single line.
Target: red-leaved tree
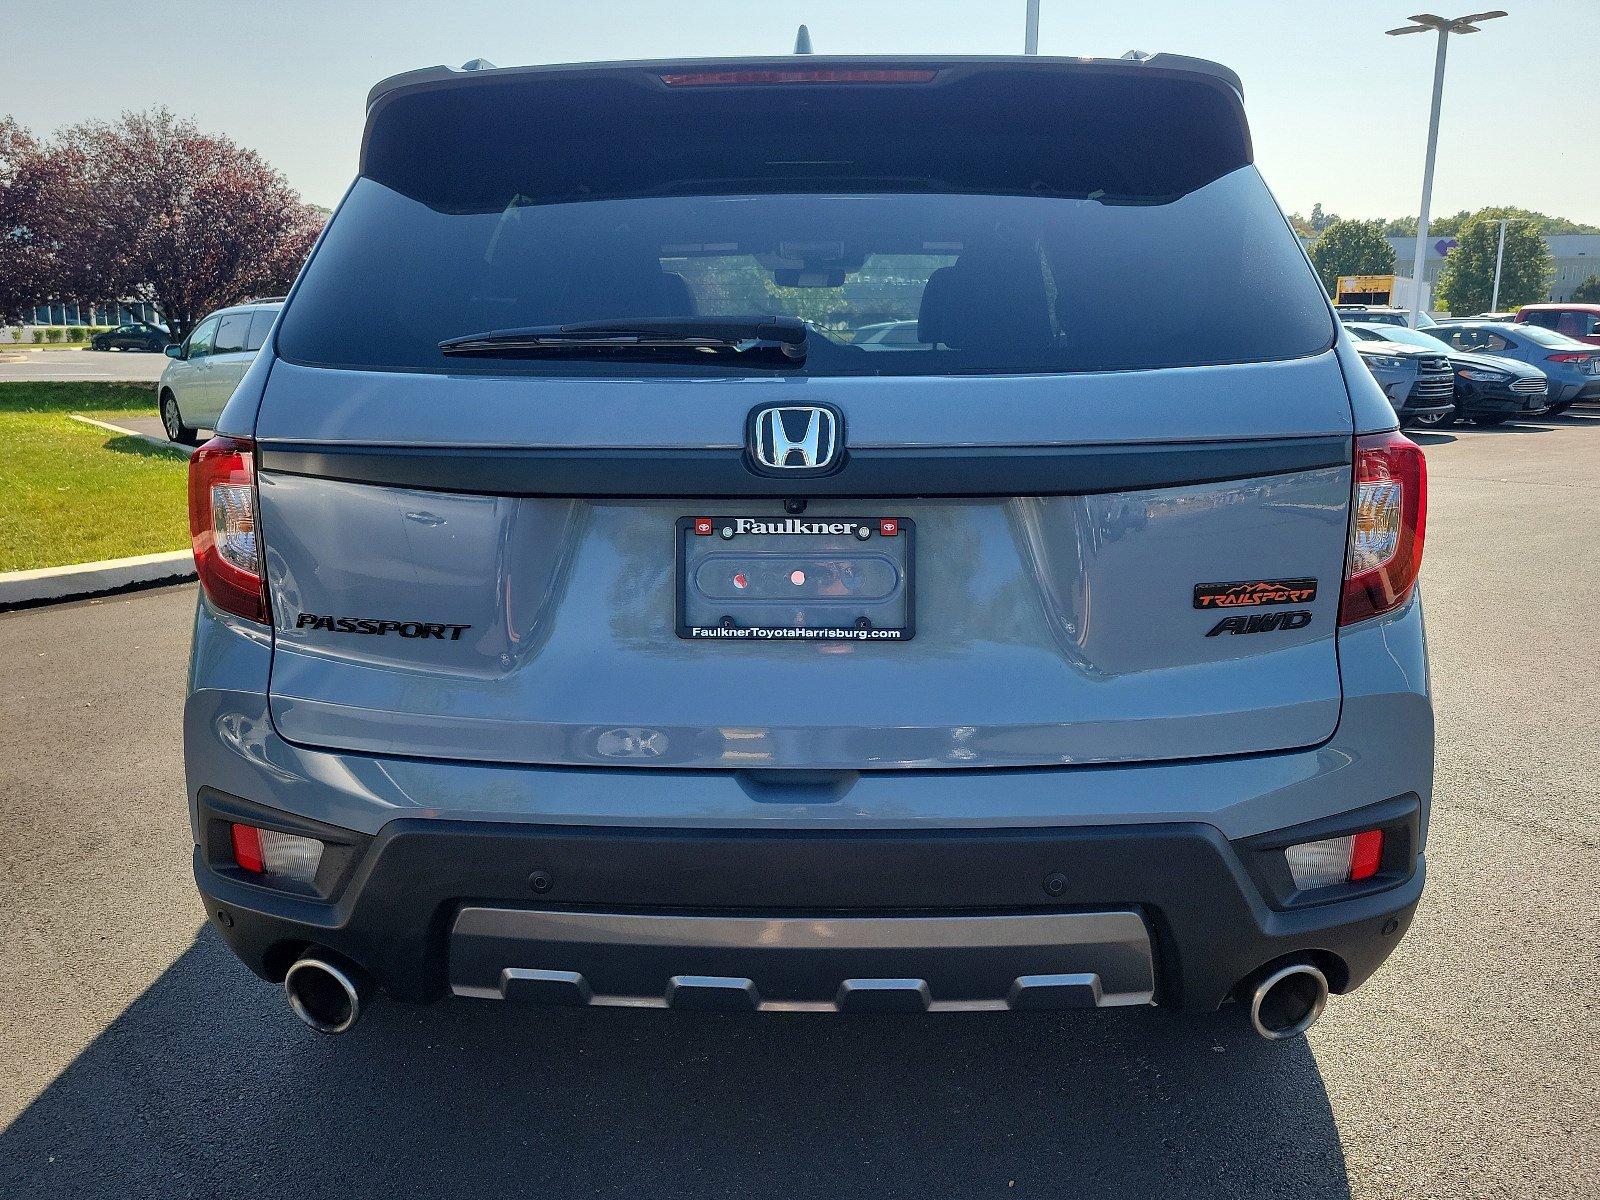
[(34, 228), (188, 220)]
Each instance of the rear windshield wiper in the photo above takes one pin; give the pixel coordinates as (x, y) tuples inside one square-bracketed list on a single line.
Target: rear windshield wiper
[(775, 338)]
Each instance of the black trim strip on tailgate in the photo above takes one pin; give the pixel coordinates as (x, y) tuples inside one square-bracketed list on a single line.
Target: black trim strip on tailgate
[(914, 471)]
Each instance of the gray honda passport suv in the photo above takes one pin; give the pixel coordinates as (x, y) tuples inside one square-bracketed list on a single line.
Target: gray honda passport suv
[(594, 621)]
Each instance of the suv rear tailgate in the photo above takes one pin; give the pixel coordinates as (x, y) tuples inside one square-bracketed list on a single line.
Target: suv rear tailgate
[(1055, 624)]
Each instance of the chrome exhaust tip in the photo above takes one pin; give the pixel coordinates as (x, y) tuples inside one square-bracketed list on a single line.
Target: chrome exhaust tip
[(1288, 1002), (325, 995)]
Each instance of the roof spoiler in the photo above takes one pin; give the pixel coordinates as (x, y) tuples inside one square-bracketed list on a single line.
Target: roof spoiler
[(478, 69)]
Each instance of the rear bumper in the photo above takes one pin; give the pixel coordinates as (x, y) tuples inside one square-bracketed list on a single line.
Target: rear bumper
[(1182, 846), (1571, 393), (849, 919)]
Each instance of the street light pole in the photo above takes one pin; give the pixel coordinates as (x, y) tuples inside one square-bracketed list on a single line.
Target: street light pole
[(1423, 22), (1030, 35), (1499, 258)]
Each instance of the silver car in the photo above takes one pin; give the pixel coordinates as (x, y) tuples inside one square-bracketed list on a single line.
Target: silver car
[(587, 620), (208, 364)]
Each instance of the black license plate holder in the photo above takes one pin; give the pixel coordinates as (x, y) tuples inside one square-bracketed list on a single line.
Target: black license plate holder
[(745, 578)]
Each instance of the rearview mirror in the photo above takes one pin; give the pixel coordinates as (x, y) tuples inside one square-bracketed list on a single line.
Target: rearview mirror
[(174, 351)]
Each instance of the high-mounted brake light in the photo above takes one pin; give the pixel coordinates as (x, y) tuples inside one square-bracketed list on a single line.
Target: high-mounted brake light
[(222, 526), (812, 75), (1386, 529)]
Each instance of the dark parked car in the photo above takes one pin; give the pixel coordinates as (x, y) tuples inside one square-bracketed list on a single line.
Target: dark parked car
[(135, 335), (1572, 367), (1488, 390)]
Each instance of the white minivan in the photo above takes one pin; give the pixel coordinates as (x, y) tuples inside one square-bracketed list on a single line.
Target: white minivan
[(208, 364)]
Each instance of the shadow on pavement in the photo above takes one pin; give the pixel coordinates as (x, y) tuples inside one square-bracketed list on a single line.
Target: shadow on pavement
[(206, 1086)]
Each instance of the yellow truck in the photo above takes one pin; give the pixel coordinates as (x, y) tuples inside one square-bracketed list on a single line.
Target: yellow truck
[(1375, 291)]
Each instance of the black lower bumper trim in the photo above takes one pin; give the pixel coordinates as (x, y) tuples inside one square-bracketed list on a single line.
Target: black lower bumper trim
[(1210, 920)]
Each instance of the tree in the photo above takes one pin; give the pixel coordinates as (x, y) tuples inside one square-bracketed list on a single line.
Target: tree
[(1588, 292), (1466, 281), (1451, 226), (33, 225), (188, 220), (1351, 248), (1319, 220)]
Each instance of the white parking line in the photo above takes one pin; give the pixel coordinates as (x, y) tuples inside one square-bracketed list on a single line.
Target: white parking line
[(186, 451)]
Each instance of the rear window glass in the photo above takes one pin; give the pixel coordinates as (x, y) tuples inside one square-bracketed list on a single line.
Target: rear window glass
[(260, 323), (1005, 225), (1544, 337)]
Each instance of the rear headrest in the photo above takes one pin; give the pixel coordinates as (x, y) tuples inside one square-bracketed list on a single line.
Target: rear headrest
[(989, 298)]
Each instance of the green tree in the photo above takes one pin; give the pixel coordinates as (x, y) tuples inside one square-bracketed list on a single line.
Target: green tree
[(1351, 248), (1466, 281), (1450, 226), (1588, 292)]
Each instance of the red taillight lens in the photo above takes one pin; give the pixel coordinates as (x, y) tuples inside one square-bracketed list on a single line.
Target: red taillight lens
[(247, 848), (222, 526), (1386, 529), (818, 75), (1566, 357), (1366, 854)]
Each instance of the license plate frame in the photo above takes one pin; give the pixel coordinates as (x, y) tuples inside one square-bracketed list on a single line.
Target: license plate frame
[(833, 546)]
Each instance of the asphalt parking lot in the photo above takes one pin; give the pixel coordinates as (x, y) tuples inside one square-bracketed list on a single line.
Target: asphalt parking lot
[(138, 1058), (109, 366)]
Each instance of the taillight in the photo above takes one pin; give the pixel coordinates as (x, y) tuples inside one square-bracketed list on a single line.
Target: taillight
[(748, 78), (1386, 529), (222, 526), (1328, 861), (269, 852), (1567, 356)]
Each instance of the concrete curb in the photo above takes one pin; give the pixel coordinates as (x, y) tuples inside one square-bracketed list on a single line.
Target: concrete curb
[(187, 451), (49, 584)]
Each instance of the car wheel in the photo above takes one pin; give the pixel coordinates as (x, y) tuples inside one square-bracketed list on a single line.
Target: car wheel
[(1555, 410), (1490, 420), (1430, 420), (172, 422)]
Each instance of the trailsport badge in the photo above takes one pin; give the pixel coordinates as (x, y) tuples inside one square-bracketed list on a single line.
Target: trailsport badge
[(1255, 593)]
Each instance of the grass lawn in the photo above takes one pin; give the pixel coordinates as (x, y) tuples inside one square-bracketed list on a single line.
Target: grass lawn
[(71, 493)]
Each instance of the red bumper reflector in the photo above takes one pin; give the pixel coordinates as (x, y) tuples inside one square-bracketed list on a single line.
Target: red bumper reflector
[(816, 75), (247, 848), (1366, 853)]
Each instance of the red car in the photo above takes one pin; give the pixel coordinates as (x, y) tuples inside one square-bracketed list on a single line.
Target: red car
[(1581, 321)]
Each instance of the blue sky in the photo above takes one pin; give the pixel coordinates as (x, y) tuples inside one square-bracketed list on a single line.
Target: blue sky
[(1339, 111)]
